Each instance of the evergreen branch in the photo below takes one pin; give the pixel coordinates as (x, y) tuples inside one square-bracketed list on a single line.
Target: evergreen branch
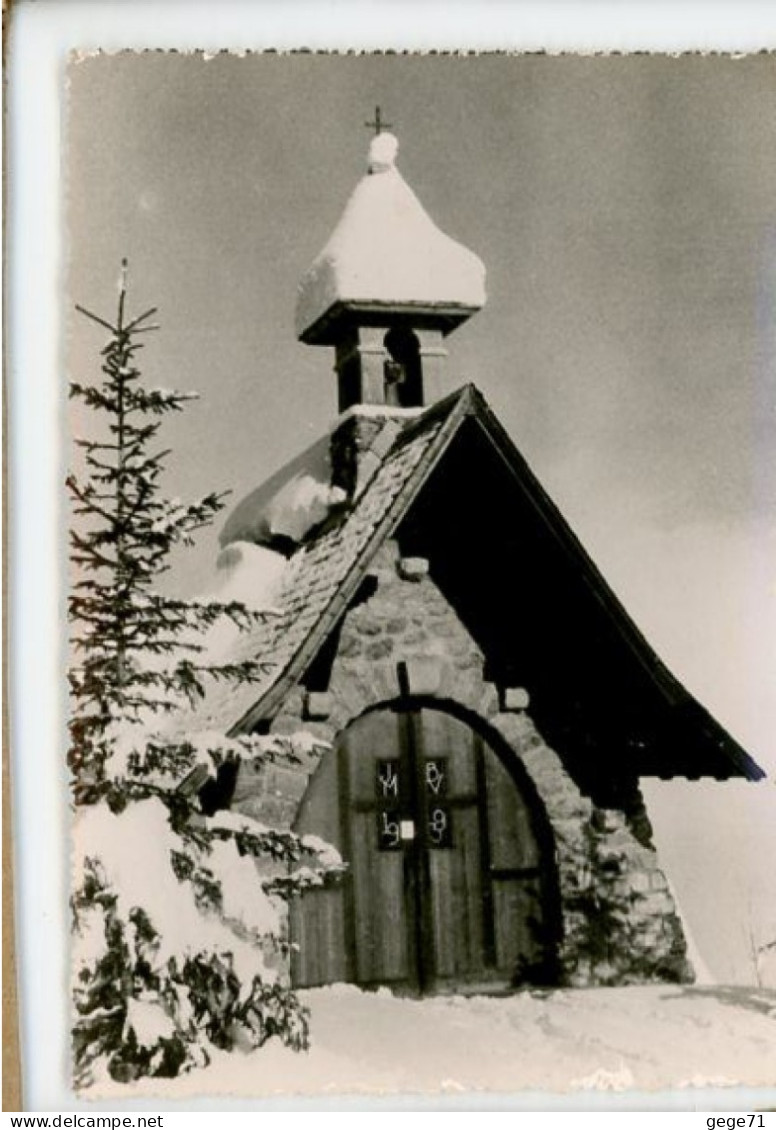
[(268, 843), (87, 554), (96, 318), (286, 887), (140, 318), (157, 400), (92, 396), (87, 497), (94, 445)]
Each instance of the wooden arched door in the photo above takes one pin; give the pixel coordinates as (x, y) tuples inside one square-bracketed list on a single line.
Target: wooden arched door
[(449, 884)]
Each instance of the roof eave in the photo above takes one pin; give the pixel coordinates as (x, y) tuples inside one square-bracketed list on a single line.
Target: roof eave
[(327, 327)]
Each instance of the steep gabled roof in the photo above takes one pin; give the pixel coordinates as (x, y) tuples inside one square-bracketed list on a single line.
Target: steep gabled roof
[(326, 572)]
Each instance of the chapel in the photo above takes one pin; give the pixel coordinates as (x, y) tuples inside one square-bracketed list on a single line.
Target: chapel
[(482, 704)]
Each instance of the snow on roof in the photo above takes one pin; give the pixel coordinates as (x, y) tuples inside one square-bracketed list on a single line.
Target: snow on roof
[(251, 574), (386, 250), (288, 505)]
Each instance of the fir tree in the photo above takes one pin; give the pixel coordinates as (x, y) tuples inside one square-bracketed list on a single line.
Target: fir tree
[(176, 932)]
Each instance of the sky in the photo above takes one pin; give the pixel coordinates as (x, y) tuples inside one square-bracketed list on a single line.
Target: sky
[(625, 210)]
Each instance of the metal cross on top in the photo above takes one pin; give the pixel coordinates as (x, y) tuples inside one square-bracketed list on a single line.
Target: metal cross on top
[(378, 125)]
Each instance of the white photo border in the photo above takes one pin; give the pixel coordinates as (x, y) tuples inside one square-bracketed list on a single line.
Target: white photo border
[(40, 37)]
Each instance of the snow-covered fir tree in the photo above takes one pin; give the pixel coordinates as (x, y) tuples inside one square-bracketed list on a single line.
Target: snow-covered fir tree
[(175, 932)]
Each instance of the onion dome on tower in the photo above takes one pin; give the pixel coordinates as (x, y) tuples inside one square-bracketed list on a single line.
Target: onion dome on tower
[(386, 289)]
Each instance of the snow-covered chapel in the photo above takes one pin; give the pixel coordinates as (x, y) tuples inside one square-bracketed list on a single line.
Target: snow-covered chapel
[(482, 705)]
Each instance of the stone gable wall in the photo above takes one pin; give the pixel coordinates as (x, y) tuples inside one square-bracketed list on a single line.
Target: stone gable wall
[(619, 920)]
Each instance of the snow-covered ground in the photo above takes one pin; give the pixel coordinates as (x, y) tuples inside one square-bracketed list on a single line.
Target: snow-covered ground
[(643, 1038)]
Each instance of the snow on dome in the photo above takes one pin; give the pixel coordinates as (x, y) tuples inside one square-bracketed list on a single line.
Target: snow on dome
[(387, 251), (382, 152)]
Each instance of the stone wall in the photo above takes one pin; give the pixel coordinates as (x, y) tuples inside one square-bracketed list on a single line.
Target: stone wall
[(619, 922)]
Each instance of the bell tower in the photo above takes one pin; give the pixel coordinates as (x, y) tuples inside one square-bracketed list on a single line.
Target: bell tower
[(386, 290)]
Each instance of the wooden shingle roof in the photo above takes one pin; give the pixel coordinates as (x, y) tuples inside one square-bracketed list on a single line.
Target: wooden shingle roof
[(320, 574)]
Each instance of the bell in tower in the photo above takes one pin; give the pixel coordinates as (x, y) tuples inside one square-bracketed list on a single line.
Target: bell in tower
[(386, 290)]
